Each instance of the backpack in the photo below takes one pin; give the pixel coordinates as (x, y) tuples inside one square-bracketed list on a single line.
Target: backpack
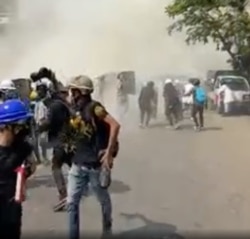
[(102, 128), (200, 95)]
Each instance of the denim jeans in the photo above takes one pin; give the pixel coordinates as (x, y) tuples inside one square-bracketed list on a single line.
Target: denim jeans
[(78, 180)]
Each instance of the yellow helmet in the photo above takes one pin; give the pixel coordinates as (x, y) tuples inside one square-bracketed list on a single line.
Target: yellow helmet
[(33, 95)]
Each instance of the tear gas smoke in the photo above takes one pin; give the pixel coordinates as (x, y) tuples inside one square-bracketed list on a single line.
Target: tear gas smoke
[(97, 36)]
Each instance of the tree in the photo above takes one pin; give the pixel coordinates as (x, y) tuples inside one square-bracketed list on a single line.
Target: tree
[(224, 22)]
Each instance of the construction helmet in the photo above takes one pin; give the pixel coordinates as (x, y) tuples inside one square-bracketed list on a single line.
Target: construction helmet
[(13, 111), (83, 83), (7, 85), (168, 81)]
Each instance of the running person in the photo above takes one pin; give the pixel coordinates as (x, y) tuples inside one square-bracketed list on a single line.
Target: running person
[(90, 158), (199, 101)]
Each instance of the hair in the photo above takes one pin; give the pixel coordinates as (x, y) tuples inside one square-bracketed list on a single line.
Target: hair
[(197, 82)]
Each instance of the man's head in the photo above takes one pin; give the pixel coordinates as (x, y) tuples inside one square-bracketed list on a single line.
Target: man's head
[(168, 81), (81, 86), (8, 90), (41, 90), (63, 92), (196, 82), (150, 84), (120, 77), (13, 119)]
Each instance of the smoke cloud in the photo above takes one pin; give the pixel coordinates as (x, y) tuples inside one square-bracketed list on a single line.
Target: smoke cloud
[(98, 36)]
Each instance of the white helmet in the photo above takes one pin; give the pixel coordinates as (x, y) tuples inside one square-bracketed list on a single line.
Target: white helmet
[(168, 80), (7, 85), (177, 81), (46, 81), (33, 85)]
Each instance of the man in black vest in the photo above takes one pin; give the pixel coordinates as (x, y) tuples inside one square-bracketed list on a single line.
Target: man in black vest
[(90, 156)]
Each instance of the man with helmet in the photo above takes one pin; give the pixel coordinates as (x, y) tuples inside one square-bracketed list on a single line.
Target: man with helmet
[(8, 90), (91, 157), (57, 124), (14, 152)]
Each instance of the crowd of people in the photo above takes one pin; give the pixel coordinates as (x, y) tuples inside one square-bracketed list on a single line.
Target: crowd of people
[(81, 133), (177, 98)]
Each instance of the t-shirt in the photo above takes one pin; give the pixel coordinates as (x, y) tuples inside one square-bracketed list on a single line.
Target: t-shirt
[(58, 118), (87, 150), (188, 89), (147, 97)]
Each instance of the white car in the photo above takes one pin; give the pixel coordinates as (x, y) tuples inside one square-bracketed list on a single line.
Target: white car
[(233, 96)]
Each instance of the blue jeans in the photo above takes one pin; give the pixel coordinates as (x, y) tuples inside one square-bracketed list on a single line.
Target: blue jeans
[(78, 180)]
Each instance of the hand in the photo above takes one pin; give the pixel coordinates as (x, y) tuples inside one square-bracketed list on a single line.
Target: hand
[(107, 160), (6, 137)]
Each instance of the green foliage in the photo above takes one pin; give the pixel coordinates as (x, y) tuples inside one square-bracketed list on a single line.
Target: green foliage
[(224, 22)]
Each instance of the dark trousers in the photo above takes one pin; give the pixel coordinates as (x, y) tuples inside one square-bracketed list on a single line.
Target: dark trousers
[(10, 219), (145, 115), (198, 109), (60, 157), (172, 113)]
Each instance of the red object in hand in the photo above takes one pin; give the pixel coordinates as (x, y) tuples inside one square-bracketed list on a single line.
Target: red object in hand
[(20, 184)]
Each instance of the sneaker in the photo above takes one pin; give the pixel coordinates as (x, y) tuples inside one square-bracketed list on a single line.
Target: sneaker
[(61, 205), (196, 128), (176, 127), (169, 127)]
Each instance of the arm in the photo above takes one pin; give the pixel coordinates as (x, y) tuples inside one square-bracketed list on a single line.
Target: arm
[(114, 131), (190, 92), (140, 96), (102, 114), (31, 162)]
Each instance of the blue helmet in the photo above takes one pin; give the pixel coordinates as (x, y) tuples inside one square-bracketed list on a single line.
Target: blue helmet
[(13, 111)]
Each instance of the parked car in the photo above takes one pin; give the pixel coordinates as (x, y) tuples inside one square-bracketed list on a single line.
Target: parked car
[(237, 88)]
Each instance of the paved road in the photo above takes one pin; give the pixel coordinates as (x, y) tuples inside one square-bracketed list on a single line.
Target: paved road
[(165, 181)]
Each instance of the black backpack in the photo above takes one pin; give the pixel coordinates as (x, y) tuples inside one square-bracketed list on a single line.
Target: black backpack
[(101, 127)]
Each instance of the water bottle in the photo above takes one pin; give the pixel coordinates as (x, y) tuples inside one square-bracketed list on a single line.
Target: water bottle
[(105, 177)]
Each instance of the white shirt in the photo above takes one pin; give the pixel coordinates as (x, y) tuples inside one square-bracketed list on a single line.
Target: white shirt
[(187, 89), (40, 112), (228, 94)]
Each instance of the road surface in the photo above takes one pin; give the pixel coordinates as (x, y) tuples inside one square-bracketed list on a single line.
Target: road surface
[(164, 182)]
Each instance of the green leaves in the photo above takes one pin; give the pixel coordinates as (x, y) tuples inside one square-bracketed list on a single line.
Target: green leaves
[(203, 20)]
